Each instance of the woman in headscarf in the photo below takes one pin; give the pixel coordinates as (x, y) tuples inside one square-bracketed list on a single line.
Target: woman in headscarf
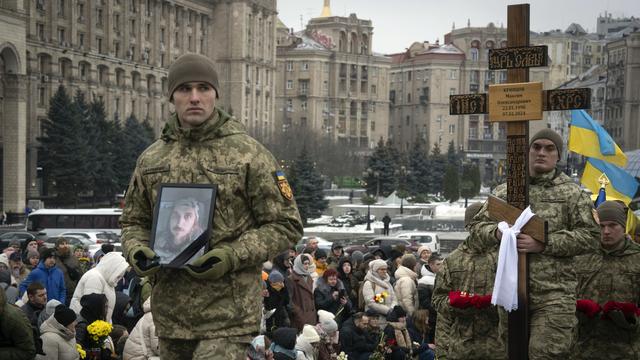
[(377, 291), (300, 285), (350, 282)]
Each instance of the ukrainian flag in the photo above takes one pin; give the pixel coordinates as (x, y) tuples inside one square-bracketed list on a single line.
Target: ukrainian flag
[(622, 185), (602, 196), (588, 138)]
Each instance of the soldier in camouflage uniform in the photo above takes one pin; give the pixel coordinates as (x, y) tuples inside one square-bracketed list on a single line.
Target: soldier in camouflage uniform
[(470, 333), (208, 310), (572, 230), (612, 274)]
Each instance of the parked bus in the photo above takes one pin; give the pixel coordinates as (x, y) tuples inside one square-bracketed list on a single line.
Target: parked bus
[(52, 222)]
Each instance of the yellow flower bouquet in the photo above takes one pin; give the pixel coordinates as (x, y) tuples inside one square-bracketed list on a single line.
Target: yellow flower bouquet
[(81, 352), (379, 298)]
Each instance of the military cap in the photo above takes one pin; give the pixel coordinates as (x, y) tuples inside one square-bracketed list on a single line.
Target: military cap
[(613, 211), (549, 135), (192, 68)]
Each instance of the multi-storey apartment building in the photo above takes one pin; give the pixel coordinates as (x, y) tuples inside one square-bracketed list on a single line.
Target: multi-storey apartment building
[(420, 82), (623, 91), (329, 80), (119, 51)]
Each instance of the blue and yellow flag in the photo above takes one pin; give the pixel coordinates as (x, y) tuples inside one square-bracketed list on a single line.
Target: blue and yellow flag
[(588, 138), (622, 186), (602, 196)]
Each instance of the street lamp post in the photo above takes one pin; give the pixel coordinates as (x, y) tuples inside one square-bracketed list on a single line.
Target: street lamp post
[(402, 173), (375, 174)]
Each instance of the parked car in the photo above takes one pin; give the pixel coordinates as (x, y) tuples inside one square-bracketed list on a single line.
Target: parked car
[(71, 240), (97, 237), (322, 243), (350, 219), (8, 237), (372, 245), (117, 247), (419, 238)]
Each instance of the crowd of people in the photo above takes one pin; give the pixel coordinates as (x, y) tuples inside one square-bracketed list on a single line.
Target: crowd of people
[(52, 300)]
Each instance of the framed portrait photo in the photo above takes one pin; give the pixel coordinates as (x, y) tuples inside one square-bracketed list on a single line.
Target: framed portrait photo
[(182, 223)]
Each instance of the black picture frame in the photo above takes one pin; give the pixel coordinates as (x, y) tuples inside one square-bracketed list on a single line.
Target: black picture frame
[(183, 211)]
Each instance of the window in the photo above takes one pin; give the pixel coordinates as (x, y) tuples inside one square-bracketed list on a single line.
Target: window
[(133, 27), (374, 89), (473, 53), (409, 76), (61, 38), (61, 8), (147, 33), (81, 39), (99, 18), (303, 106), (304, 86), (40, 31), (289, 84), (305, 66), (289, 66), (452, 129), (409, 98), (289, 105), (116, 48), (452, 91), (408, 120), (453, 74)]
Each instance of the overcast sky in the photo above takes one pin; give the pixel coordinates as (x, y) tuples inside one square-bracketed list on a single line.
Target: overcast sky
[(398, 23)]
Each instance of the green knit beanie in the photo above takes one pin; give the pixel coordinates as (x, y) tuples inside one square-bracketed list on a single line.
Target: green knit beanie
[(613, 211), (192, 68), (549, 135)]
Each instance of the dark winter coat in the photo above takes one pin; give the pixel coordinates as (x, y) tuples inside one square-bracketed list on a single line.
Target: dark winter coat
[(72, 273), (32, 313), (278, 300), (325, 301), (350, 282), (303, 308), (16, 335), (355, 341)]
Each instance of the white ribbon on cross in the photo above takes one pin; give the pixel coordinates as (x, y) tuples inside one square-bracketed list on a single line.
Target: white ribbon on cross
[(505, 287)]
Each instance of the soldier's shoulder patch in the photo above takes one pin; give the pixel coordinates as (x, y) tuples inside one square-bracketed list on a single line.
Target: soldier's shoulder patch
[(283, 185), (594, 212)]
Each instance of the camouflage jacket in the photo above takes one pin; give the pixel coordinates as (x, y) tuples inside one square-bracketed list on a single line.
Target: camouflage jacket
[(472, 333), (609, 276), (251, 215), (572, 230)]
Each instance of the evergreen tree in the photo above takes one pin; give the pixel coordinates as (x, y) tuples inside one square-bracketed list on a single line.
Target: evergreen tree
[(381, 170), (64, 147), (450, 185), (468, 187), (453, 157), (306, 183), (438, 166), (419, 172), (135, 137), (104, 168)]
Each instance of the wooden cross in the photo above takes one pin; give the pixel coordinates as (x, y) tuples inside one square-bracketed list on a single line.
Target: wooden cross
[(517, 102)]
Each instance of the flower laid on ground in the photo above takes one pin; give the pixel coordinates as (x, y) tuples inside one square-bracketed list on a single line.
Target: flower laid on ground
[(81, 352), (379, 298), (99, 331)]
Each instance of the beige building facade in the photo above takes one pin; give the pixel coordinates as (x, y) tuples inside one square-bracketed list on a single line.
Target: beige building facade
[(119, 51), (329, 80), (623, 91)]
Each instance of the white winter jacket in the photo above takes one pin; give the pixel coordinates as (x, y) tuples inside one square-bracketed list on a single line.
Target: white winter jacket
[(406, 289), (142, 344), (373, 285), (58, 342), (101, 280)]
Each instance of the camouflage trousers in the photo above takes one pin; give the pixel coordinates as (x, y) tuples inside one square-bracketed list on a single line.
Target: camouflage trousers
[(553, 330), (204, 349)]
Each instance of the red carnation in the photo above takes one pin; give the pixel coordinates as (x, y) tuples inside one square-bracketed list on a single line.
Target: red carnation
[(481, 301), (391, 342), (458, 300), (589, 307), (627, 308)]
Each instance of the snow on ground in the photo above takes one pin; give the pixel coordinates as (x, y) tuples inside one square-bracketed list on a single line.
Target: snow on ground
[(357, 229), (324, 219), (448, 210)]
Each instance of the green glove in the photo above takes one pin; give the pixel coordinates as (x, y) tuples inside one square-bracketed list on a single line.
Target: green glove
[(214, 264), (621, 321), (144, 261)]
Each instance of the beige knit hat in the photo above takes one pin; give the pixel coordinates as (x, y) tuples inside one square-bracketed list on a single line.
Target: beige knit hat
[(191, 68)]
